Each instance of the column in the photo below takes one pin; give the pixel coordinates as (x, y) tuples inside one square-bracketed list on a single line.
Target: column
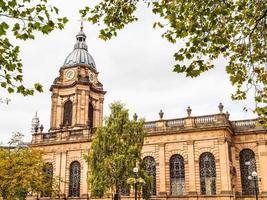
[(224, 167), (53, 111), (63, 173), (78, 108), (162, 174), (58, 169), (59, 112), (84, 173), (191, 168), (262, 163)]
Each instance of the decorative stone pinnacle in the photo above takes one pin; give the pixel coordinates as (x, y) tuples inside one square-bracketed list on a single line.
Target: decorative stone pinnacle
[(227, 115), (220, 107), (161, 113), (189, 111), (41, 128), (135, 116)]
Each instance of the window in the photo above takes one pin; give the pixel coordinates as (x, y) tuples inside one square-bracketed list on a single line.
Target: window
[(247, 166), (74, 182), (207, 170), (48, 180), (230, 152), (177, 175), (90, 115), (67, 117), (151, 171)]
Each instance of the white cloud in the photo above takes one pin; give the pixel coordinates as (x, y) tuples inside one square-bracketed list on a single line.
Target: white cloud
[(135, 67)]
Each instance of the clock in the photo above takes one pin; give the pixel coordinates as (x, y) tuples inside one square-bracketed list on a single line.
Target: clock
[(70, 74)]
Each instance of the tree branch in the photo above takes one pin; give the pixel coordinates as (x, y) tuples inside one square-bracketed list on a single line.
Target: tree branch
[(258, 21)]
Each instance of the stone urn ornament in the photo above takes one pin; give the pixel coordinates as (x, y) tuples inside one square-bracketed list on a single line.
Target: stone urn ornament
[(220, 106), (41, 128), (189, 111), (135, 116), (161, 113)]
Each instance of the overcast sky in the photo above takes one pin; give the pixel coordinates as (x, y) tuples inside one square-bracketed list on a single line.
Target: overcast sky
[(135, 68)]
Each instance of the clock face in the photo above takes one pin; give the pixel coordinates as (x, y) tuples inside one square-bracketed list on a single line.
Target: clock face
[(70, 74)]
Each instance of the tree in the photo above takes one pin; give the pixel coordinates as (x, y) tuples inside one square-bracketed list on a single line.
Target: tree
[(22, 171), (23, 18), (235, 30), (115, 150)]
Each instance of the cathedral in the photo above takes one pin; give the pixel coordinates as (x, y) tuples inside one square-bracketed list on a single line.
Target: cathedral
[(189, 158)]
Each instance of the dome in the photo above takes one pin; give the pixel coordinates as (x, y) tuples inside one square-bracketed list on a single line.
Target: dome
[(80, 54)]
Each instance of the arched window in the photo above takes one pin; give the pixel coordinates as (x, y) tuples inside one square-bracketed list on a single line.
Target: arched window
[(90, 115), (247, 166), (74, 182), (207, 170), (48, 180), (177, 175), (151, 171), (67, 118)]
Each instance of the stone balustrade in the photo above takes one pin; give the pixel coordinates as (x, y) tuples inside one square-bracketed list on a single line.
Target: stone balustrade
[(205, 121), (216, 120), (246, 125), (62, 135)]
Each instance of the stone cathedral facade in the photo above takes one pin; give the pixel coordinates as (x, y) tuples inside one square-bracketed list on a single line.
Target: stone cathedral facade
[(190, 158)]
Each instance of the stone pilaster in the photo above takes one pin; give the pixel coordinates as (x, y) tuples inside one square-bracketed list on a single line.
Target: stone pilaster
[(191, 168), (226, 187), (63, 172), (162, 174), (262, 152), (53, 111), (58, 169)]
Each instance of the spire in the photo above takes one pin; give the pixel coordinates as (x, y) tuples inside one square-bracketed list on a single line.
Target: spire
[(81, 24), (35, 122), (81, 39)]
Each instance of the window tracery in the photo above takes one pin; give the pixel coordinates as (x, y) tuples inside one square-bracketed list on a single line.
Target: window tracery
[(74, 182), (177, 175), (207, 172), (247, 166), (151, 171)]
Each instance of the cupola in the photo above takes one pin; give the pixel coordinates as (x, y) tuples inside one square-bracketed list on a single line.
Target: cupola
[(80, 54)]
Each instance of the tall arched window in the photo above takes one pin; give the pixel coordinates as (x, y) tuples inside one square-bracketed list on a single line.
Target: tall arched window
[(177, 175), (151, 171), (67, 117), (207, 170), (74, 182), (90, 115), (247, 166), (48, 180)]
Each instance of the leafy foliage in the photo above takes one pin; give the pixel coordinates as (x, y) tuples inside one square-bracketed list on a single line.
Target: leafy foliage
[(235, 30), (22, 171), (23, 18), (114, 152)]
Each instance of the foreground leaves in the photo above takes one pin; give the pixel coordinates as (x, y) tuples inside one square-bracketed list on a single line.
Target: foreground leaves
[(210, 29), (23, 18), (22, 171)]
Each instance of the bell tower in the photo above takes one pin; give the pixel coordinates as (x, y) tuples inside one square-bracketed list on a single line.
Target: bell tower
[(77, 95)]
